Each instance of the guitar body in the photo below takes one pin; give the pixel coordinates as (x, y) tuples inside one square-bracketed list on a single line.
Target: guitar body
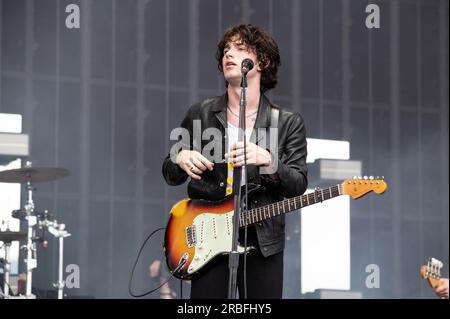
[(199, 230)]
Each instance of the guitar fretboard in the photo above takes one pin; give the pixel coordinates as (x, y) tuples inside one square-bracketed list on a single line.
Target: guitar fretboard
[(285, 206)]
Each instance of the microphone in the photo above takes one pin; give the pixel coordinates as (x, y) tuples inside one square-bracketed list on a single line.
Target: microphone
[(246, 66)]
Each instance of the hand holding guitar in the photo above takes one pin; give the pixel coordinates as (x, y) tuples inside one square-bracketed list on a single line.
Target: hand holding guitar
[(442, 289), (255, 155), (432, 272), (193, 163)]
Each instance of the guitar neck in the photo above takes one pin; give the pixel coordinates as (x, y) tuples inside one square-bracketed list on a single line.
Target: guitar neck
[(288, 205)]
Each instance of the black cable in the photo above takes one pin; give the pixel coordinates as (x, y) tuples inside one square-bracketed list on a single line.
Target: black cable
[(134, 267)]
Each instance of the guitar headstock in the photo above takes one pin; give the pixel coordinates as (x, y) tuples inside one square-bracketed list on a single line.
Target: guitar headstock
[(432, 271), (360, 186)]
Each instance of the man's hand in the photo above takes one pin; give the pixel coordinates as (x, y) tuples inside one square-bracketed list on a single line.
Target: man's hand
[(255, 155), (193, 163), (442, 290)]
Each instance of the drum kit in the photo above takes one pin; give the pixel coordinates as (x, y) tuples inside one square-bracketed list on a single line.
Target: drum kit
[(28, 176)]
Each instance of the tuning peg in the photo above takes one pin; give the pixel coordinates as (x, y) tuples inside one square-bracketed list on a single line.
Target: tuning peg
[(355, 177), (382, 177), (378, 177), (359, 177), (371, 177), (365, 177)]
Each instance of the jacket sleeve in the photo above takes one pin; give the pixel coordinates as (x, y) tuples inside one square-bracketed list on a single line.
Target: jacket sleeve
[(172, 173), (290, 178)]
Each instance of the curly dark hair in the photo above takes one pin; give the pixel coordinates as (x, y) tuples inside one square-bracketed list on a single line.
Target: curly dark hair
[(261, 43)]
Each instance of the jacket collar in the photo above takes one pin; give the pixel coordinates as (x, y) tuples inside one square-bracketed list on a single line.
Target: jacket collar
[(262, 118)]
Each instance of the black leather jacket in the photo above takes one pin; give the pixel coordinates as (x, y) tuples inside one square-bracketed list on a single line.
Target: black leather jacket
[(290, 179)]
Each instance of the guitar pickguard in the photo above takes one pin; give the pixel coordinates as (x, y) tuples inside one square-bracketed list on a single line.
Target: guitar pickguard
[(213, 233)]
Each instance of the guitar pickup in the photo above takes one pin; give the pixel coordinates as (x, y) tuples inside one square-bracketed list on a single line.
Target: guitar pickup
[(191, 236)]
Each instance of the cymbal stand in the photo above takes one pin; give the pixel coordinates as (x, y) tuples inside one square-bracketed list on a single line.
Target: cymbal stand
[(31, 260), (57, 230)]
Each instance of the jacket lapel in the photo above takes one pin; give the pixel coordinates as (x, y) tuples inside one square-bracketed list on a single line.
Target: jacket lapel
[(262, 118)]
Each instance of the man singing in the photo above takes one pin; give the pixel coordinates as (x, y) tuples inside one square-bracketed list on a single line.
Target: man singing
[(279, 174)]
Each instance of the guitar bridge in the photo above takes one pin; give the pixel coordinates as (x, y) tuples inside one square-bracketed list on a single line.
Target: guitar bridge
[(191, 236)]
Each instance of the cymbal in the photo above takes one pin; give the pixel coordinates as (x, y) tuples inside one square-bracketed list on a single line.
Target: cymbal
[(9, 236), (33, 174)]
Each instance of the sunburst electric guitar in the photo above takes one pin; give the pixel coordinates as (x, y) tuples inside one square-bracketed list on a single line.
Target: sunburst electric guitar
[(432, 272), (199, 230)]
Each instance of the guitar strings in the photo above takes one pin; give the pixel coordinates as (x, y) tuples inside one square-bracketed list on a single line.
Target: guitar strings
[(260, 213)]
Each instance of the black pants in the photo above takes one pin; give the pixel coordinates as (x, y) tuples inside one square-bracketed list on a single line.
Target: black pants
[(264, 278)]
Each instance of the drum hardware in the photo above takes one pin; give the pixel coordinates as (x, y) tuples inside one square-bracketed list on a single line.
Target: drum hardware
[(29, 175), (6, 269), (58, 231), (9, 236)]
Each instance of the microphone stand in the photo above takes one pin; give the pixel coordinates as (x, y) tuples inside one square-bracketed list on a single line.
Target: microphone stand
[(233, 262)]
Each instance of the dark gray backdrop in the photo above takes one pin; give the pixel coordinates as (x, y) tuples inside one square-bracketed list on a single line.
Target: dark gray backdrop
[(101, 101)]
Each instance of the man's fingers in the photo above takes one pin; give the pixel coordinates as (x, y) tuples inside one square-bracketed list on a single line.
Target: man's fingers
[(199, 157), (235, 153), (191, 170), (239, 145), (238, 159), (198, 164), (440, 289), (193, 175), (208, 164), (240, 162)]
